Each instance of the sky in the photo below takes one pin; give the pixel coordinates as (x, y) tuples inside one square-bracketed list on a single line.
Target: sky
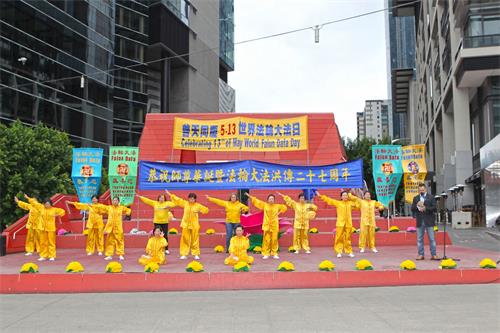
[(291, 73)]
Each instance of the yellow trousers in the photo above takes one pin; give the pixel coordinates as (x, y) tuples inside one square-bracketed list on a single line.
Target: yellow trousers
[(343, 240), (300, 239), (144, 260), (95, 240), (115, 241), (270, 243), (47, 244), (231, 261), (32, 241), (190, 240), (367, 237)]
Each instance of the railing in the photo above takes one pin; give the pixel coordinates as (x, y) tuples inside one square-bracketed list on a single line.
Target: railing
[(481, 41)]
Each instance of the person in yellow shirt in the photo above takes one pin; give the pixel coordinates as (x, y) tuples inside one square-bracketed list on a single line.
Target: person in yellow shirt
[(234, 209), (95, 225), (48, 215), (304, 212), (238, 248), (343, 229), (270, 224), (190, 236), (162, 214), (115, 240), (367, 225), (34, 226), (155, 250)]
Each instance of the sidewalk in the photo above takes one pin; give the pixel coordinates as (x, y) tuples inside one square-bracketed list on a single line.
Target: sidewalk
[(479, 238)]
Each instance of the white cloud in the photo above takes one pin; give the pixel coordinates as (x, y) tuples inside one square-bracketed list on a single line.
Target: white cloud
[(291, 73)]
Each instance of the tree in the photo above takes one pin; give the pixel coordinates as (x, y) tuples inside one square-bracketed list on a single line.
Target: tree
[(104, 182), (35, 160), (362, 149)]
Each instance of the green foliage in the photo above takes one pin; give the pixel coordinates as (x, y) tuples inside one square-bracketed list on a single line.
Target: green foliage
[(104, 182), (35, 160)]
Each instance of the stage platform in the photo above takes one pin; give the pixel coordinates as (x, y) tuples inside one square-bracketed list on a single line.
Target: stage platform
[(52, 277)]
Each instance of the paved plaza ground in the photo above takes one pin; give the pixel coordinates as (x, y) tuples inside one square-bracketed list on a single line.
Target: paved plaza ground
[(465, 308)]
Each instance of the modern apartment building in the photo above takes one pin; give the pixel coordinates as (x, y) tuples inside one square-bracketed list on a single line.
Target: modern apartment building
[(400, 39), (453, 105), (94, 68), (375, 121)]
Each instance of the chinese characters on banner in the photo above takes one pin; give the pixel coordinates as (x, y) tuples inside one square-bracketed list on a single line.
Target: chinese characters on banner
[(241, 134), (86, 172), (248, 174), (415, 169), (123, 173), (387, 171)]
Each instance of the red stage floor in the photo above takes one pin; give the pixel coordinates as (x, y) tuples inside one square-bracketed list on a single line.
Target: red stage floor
[(263, 275)]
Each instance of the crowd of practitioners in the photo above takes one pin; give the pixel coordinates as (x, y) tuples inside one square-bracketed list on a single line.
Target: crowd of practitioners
[(41, 226)]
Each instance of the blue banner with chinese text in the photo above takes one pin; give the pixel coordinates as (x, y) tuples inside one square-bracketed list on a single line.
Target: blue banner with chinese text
[(86, 172), (387, 171), (248, 174)]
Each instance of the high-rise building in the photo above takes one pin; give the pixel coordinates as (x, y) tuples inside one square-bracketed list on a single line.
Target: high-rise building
[(400, 39), (360, 120), (55, 64), (375, 121), (94, 68), (455, 98)]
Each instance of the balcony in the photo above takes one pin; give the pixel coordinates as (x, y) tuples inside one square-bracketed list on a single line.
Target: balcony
[(481, 41), (401, 88)]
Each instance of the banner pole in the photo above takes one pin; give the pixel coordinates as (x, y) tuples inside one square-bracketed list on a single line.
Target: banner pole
[(83, 220), (388, 217)]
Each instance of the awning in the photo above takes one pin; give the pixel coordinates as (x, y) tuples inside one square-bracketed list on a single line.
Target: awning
[(474, 177)]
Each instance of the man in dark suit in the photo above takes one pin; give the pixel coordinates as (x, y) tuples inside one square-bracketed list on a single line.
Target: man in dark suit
[(423, 208)]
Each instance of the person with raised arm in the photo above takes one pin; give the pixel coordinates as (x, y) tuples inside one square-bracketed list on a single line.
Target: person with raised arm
[(190, 224), (343, 228), (162, 214), (234, 208), (304, 212), (115, 241), (95, 225), (367, 224), (270, 224), (34, 226), (48, 214)]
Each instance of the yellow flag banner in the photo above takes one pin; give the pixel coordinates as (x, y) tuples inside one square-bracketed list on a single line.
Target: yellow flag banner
[(415, 169), (411, 185), (241, 134)]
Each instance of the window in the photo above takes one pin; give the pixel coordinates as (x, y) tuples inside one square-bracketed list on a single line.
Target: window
[(131, 20), (98, 93), (484, 19), (103, 24), (131, 50), (495, 105), (130, 80)]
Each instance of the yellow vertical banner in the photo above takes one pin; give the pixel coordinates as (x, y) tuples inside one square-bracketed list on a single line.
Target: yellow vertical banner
[(415, 169), (241, 134)]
